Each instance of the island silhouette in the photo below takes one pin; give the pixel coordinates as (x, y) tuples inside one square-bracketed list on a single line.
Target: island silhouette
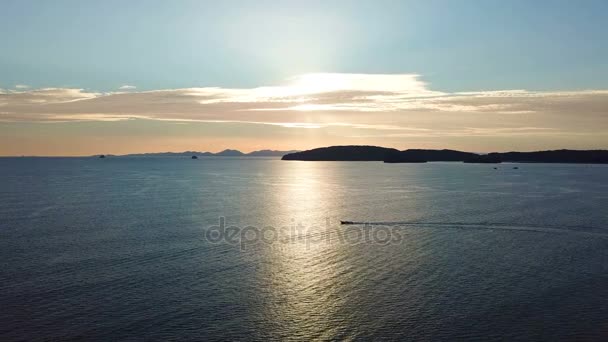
[(224, 153), (391, 155)]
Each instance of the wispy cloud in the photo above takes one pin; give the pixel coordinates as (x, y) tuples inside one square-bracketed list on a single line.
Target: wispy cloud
[(21, 86), (127, 87), (397, 104)]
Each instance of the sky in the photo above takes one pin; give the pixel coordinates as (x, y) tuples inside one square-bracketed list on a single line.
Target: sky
[(90, 77)]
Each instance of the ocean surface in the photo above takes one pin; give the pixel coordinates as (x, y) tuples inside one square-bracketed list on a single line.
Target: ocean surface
[(252, 249)]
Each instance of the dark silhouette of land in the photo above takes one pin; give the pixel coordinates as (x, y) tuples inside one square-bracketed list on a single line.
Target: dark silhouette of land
[(269, 153), (492, 158), (391, 155), (224, 153), (423, 156), (344, 153), (556, 156)]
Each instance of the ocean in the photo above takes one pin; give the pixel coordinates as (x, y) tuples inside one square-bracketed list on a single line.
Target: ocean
[(253, 249)]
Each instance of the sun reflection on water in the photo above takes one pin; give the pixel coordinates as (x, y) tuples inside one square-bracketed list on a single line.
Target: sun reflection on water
[(302, 283)]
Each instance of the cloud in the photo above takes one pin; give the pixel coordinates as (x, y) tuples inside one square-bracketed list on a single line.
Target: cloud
[(127, 87), (45, 96), (21, 86), (364, 104)]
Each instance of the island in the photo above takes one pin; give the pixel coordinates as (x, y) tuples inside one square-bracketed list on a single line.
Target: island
[(344, 153), (392, 155), (224, 153)]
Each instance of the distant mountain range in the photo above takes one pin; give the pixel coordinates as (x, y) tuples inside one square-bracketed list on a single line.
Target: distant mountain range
[(391, 155), (224, 153)]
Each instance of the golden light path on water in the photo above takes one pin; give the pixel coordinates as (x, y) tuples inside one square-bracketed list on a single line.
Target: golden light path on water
[(306, 274)]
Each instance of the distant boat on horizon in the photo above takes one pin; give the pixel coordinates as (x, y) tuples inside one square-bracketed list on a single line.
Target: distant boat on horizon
[(102, 156), (194, 157)]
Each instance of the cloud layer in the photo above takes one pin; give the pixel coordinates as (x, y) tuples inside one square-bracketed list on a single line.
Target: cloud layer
[(367, 104)]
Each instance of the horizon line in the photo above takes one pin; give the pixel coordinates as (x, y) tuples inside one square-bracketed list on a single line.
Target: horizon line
[(247, 154)]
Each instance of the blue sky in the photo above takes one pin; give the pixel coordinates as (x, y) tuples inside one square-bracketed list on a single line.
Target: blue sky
[(454, 45), (82, 77)]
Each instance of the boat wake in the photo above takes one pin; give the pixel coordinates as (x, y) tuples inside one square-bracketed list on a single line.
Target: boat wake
[(582, 230)]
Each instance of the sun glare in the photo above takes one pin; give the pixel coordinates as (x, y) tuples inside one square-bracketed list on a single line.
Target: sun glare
[(320, 82)]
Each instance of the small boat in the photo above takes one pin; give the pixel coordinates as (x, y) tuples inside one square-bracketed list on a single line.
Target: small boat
[(515, 168), (346, 222), (102, 156), (194, 157)]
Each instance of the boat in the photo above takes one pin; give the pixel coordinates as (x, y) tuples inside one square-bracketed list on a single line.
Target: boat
[(194, 157), (346, 222), (102, 156)]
